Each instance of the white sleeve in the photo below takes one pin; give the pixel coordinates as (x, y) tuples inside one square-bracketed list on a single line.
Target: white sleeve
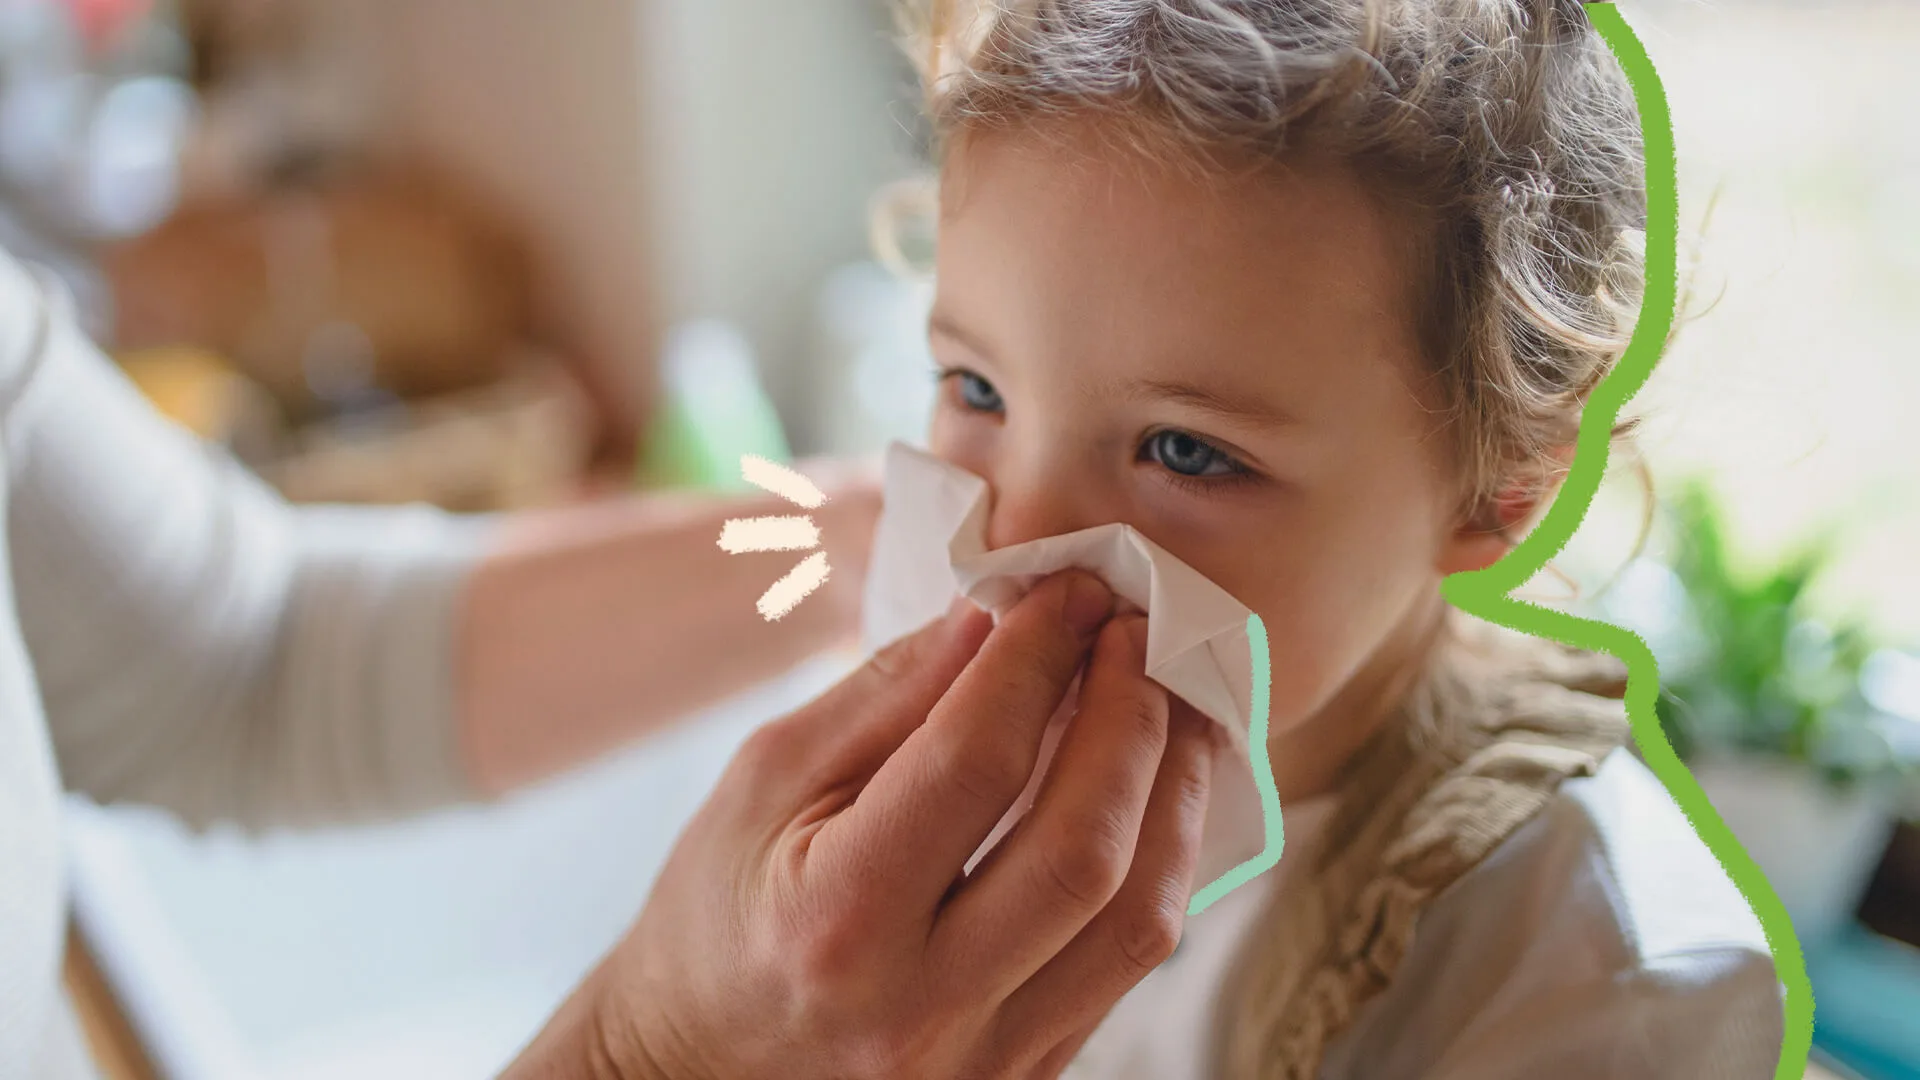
[(201, 645), (1710, 1015)]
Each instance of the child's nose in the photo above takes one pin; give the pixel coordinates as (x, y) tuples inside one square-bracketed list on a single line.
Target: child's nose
[(1042, 503)]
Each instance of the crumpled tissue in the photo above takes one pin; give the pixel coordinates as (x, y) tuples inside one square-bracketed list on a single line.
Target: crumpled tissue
[(931, 545)]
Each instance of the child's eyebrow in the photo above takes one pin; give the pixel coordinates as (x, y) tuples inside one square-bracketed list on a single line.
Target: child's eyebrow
[(1253, 411), (943, 325)]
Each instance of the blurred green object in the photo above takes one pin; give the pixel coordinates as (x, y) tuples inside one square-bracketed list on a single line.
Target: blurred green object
[(713, 411), (1765, 675)]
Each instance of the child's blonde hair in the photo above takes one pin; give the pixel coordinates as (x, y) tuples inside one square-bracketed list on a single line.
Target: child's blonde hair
[(1507, 124)]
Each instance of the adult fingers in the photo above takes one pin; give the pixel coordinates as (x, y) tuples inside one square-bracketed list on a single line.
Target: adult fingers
[(933, 802), (836, 741), (1139, 929), (1056, 1060), (1077, 843)]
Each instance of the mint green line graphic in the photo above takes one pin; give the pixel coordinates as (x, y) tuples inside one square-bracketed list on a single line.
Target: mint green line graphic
[(1485, 593), (1262, 779)]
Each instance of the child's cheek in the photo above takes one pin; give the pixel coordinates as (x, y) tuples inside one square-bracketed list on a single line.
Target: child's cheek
[(962, 440), (1220, 537), (1307, 643), (1236, 543), (1303, 674), (1250, 555)]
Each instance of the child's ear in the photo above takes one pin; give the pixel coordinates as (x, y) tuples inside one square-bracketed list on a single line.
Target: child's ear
[(1491, 527), (1486, 534), (1472, 547)]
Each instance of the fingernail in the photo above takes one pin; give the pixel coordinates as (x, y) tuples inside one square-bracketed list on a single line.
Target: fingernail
[(1137, 634), (1089, 602)]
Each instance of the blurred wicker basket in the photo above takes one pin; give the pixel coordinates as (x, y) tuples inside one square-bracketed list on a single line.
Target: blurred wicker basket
[(365, 339), (515, 443), (519, 441)]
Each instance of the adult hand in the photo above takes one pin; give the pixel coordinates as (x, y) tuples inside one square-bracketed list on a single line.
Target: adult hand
[(815, 920)]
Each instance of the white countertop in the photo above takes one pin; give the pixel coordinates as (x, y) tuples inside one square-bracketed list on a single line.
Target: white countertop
[(432, 948)]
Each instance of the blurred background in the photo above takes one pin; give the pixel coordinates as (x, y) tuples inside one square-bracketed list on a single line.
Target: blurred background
[(492, 254)]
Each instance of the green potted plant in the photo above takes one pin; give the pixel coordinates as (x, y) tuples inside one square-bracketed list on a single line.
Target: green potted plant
[(1761, 696)]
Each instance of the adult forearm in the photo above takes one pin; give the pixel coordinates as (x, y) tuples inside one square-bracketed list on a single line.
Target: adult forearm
[(591, 626)]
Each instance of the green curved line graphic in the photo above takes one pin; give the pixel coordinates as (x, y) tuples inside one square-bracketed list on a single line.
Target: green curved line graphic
[(1486, 593)]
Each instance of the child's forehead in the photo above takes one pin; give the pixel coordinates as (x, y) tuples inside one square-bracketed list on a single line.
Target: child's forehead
[(1116, 284), (1300, 225), (1025, 231)]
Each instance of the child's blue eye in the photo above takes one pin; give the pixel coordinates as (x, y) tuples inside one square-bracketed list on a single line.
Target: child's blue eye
[(977, 393), (1186, 455)]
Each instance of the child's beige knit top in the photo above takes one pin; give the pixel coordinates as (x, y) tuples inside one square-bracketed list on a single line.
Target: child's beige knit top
[(1502, 722), (1494, 889)]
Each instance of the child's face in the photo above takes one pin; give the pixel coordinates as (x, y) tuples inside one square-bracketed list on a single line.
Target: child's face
[(1229, 367)]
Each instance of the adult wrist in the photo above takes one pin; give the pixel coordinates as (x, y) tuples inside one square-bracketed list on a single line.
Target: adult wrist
[(586, 1039), (622, 1047)]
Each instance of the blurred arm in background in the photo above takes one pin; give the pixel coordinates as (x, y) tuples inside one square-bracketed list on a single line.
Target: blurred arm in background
[(592, 623), (204, 646)]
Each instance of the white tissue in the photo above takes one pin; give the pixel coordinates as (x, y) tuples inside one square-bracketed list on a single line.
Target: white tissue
[(931, 546)]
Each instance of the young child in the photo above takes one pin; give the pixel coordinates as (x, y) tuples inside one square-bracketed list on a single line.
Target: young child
[(1311, 293)]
